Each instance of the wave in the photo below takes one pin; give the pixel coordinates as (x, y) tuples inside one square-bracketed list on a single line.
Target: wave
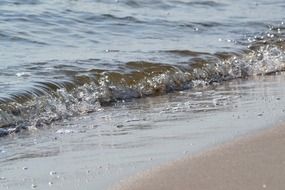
[(90, 91)]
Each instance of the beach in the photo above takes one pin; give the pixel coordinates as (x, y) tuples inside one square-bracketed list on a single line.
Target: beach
[(93, 93), (154, 132), (252, 162)]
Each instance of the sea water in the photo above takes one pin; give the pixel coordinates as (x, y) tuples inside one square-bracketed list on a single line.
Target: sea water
[(93, 91)]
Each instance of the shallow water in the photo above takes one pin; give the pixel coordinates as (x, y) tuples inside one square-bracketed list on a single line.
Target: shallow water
[(120, 85), (101, 148), (65, 58)]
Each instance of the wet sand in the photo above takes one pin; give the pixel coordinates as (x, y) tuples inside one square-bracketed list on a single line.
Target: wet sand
[(94, 152), (251, 162)]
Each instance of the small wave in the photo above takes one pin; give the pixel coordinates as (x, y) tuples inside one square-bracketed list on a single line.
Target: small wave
[(23, 38), (89, 91), (20, 2), (149, 4), (187, 52), (126, 18), (201, 3)]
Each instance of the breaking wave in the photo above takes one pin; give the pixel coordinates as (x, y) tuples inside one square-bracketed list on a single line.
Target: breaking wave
[(89, 91)]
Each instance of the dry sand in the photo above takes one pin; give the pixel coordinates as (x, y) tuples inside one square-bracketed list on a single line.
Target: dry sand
[(249, 163)]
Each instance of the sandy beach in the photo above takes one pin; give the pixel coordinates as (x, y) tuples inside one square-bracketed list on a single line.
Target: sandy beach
[(252, 162)]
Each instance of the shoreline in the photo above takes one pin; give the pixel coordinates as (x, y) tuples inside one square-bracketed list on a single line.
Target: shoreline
[(254, 161), (154, 131)]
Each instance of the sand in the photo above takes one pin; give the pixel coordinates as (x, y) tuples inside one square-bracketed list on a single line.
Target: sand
[(252, 162)]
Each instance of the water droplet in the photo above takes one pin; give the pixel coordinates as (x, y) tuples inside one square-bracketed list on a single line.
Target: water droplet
[(34, 186), (120, 126), (52, 173), (50, 183), (65, 131), (25, 168), (23, 74), (264, 186), (2, 151)]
